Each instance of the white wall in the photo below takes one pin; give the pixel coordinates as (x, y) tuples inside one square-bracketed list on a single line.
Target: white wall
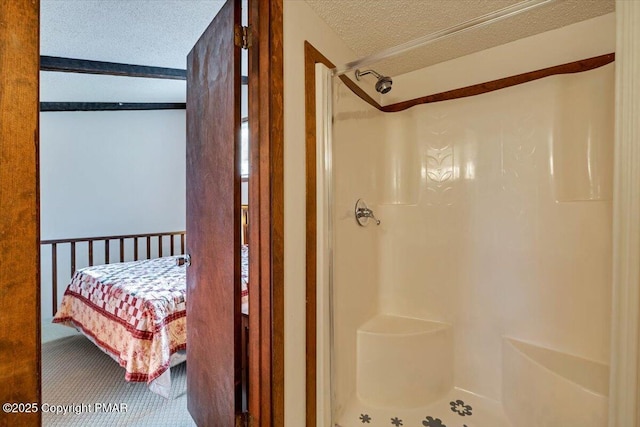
[(300, 24), (110, 173)]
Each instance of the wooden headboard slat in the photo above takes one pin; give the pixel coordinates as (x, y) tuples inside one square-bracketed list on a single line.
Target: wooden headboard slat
[(72, 242)]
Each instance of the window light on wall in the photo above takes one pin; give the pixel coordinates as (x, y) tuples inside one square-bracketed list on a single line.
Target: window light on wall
[(244, 149)]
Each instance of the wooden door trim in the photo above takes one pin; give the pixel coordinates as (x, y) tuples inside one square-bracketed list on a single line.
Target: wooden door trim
[(21, 19), (266, 201), (19, 221)]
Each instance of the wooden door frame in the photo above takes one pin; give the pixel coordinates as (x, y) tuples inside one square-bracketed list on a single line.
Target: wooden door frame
[(19, 220), (20, 368), (266, 213)]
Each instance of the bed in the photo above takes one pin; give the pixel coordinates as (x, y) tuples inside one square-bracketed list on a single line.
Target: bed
[(136, 313)]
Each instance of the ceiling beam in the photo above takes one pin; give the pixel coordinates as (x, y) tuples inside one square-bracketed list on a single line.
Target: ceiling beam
[(114, 106), (71, 65), (110, 106)]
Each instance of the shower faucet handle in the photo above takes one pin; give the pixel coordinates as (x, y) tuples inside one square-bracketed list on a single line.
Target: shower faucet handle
[(363, 213), (366, 213)]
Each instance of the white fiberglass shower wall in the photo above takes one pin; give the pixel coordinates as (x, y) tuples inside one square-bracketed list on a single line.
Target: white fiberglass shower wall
[(483, 298)]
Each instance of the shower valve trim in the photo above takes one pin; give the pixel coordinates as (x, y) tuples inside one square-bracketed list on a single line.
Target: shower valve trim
[(363, 213)]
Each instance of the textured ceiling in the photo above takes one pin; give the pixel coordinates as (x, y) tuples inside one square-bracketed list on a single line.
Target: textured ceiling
[(145, 32), (368, 27), (162, 32)]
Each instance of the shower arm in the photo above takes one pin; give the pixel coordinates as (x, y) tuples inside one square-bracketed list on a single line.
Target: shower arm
[(364, 73)]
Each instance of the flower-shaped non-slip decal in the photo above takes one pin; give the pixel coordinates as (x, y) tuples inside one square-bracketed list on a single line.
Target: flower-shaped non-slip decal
[(430, 422), (459, 407), (396, 421), (365, 418)]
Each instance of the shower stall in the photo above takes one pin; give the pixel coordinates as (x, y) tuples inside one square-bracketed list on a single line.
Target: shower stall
[(482, 297)]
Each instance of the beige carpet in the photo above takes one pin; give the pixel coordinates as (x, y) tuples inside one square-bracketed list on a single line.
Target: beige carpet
[(75, 372)]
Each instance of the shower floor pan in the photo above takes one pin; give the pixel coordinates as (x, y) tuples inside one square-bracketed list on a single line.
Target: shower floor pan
[(458, 408), (401, 381)]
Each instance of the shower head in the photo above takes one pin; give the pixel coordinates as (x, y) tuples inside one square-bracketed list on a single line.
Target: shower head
[(383, 85)]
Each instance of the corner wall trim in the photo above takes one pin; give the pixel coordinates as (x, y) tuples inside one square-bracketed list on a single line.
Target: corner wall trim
[(624, 386)]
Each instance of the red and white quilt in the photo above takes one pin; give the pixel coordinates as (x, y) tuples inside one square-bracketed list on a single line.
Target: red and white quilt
[(136, 313)]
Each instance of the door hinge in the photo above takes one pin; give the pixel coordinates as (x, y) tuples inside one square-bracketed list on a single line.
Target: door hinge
[(242, 37), (244, 420)]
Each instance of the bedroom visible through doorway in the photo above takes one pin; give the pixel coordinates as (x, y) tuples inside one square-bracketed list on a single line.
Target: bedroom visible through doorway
[(125, 136)]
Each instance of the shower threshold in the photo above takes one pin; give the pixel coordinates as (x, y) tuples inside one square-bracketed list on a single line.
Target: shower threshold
[(459, 408)]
